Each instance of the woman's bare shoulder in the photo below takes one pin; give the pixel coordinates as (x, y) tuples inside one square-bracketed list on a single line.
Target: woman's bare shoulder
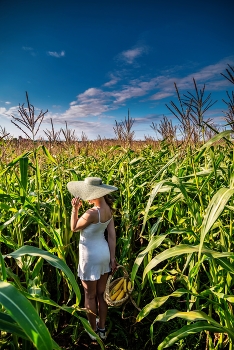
[(90, 213)]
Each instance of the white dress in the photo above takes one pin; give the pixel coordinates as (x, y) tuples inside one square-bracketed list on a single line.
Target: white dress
[(94, 253)]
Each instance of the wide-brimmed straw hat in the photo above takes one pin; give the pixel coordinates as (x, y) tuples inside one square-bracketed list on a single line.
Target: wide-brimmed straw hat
[(90, 188)]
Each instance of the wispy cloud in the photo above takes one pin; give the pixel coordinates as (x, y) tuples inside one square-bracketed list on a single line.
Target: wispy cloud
[(113, 81), (130, 56), (56, 54), (7, 103), (209, 75), (161, 95), (148, 118), (94, 103), (30, 50)]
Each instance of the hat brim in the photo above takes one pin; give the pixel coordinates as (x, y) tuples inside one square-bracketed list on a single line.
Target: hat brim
[(89, 191)]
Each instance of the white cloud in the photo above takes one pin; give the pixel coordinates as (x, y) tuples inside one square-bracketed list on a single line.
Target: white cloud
[(92, 102), (127, 93), (56, 54), (8, 112), (91, 128), (97, 101), (209, 75), (2, 110), (160, 95), (85, 113), (114, 80), (129, 56)]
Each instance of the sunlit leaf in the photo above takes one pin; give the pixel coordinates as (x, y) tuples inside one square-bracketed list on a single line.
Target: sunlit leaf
[(24, 314), (52, 259), (213, 211)]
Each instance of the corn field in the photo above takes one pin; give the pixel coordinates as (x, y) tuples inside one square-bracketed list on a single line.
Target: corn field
[(174, 224)]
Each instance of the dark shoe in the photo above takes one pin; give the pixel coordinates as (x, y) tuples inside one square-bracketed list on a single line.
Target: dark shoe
[(102, 333)]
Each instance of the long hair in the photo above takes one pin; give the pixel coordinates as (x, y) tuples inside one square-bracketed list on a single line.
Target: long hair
[(109, 201)]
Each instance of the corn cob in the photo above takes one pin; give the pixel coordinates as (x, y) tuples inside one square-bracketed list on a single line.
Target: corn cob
[(129, 285), (117, 286), (115, 295), (120, 296), (125, 285)]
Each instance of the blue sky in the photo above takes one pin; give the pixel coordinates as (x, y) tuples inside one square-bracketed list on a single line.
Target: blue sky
[(89, 61)]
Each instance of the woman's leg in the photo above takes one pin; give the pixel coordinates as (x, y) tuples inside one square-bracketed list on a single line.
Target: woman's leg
[(102, 305), (90, 291)]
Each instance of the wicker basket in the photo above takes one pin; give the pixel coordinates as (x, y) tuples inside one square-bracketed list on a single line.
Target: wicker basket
[(111, 284)]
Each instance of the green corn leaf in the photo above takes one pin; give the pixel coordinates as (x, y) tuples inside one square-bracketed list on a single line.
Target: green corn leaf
[(55, 345), (149, 203), (214, 139), (159, 301), (231, 207), (24, 173), (137, 160), (37, 268), (24, 314), (213, 211), (15, 216), (154, 243), (15, 278), (168, 253), (190, 316), (90, 330), (48, 155), (183, 190), (44, 300), (14, 161), (8, 324), (170, 162), (3, 274), (50, 258), (193, 316), (7, 207), (180, 250), (163, 278), (229, 267), (188, 330), (223, 296)]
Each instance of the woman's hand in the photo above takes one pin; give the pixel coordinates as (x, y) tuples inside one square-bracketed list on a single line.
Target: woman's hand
[(113, 264), (76, 202)]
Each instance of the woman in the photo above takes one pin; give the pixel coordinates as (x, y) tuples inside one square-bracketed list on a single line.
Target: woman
[(96, 254)]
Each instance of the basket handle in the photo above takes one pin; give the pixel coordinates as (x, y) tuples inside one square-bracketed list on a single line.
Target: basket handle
[(124, 271)]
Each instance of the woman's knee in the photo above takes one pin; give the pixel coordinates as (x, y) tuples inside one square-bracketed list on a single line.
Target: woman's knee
[(90, 295), (100, 295), (90, 289)]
